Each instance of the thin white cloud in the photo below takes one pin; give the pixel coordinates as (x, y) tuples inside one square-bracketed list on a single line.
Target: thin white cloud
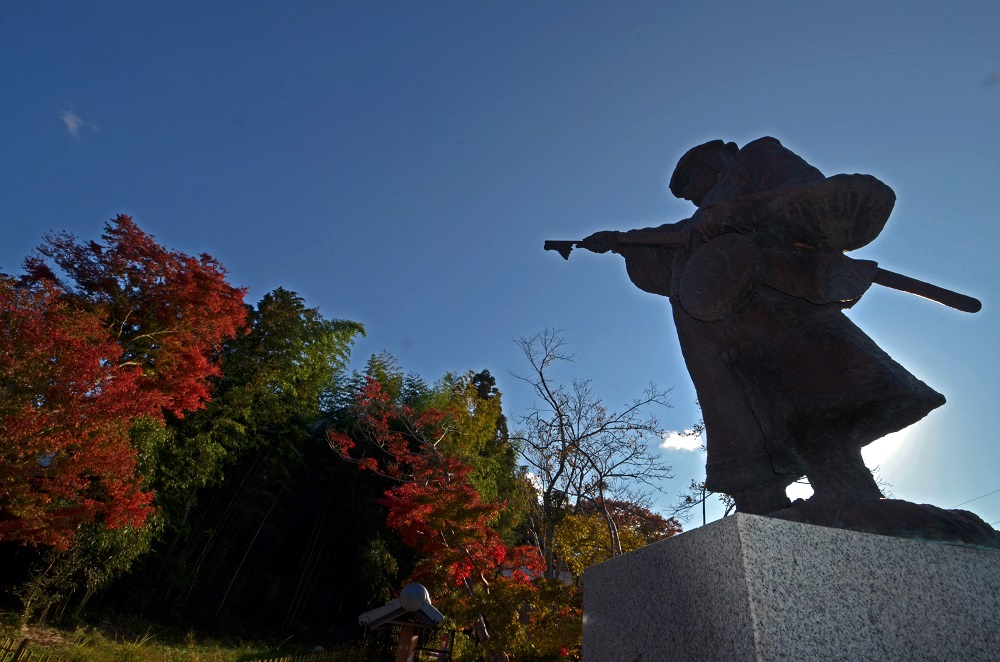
[(681, 441), (73, 123)]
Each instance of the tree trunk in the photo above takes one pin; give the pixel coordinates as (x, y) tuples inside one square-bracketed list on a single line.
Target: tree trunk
[(483, 634), (616, 543)]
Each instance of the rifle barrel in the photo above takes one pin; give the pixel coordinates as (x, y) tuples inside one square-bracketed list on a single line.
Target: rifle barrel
[(949, 298), (883, 277)]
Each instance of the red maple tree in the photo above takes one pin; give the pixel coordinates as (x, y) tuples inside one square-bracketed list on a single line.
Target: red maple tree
[(170, 312), (66, 410), (92, 337), (436, 511)]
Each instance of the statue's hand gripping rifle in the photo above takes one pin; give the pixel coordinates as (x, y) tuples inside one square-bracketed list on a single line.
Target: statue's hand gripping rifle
[(883, 277)]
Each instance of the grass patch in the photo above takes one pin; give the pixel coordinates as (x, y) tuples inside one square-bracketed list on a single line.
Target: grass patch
[(129, 641)]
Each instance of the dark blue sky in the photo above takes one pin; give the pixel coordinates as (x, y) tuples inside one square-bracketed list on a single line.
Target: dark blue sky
[(401, 163)]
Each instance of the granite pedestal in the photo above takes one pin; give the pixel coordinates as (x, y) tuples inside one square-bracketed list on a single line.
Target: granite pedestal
[(755, 588)]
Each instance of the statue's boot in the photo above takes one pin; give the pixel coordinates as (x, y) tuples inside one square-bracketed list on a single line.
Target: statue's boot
[(763, 499), (847, 497)]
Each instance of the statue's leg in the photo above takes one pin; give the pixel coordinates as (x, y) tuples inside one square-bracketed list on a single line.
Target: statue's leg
[(748, 475), (763, 499), (741, 464), (838, 473)]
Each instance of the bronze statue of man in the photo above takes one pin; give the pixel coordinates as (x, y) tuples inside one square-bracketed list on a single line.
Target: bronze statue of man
[(758, 281)]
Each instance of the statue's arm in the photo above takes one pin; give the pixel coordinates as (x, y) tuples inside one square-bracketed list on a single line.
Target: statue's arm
[(671, 235), (650, 268), (648, 252), (650, 265)]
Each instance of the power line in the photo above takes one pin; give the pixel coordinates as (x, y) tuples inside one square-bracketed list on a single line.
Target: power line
[(976, 499)]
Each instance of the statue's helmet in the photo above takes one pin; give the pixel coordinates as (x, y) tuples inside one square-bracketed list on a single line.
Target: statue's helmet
[(700, 168)]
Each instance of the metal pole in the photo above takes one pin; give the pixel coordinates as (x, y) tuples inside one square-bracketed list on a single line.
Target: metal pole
[(703, 504)]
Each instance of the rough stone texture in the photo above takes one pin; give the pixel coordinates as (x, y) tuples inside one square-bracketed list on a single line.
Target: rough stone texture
[(755, 588)]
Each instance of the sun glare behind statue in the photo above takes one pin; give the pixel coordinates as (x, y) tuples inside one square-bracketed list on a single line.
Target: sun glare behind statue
[(881, 452), (877, 455)]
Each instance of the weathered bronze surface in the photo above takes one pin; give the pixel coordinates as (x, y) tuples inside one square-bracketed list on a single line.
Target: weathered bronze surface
[(758, 280)]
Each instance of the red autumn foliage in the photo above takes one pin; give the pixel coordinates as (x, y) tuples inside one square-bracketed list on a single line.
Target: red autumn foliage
[(651, 526), (170, 312), (92, 337), (66, 410), (434, 508)]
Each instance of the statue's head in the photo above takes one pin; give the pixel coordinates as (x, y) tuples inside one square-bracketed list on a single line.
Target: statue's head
[(700, 168)]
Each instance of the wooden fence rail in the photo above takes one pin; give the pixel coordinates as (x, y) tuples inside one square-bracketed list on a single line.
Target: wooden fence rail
[(13, 650)]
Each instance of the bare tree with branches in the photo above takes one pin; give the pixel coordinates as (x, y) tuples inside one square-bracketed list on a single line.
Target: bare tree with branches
[(579, 451)]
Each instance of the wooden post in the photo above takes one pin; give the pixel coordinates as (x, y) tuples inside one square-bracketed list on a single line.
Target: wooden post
[(20, 650), (409, 637)]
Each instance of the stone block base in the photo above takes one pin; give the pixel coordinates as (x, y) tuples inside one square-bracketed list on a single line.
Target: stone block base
[(755, 588)]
